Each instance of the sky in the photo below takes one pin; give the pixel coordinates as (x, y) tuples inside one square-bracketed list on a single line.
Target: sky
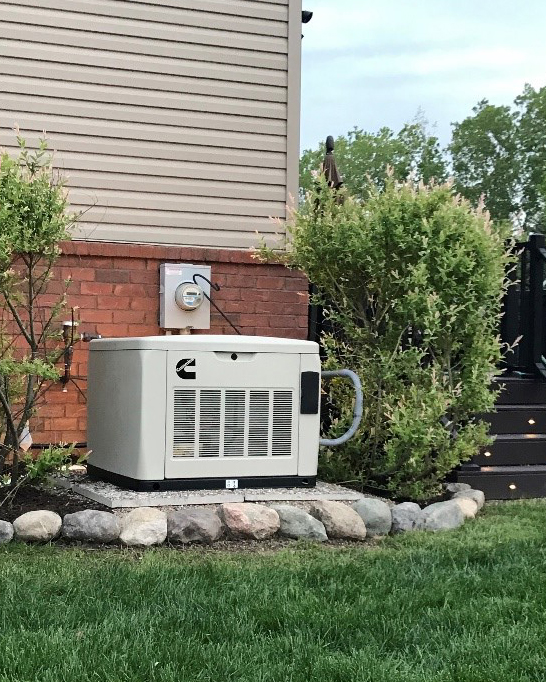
[(370, 64)]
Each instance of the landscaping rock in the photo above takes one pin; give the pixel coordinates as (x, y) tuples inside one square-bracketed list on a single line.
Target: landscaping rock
[(476, 495), (441, 516), (468, 506), (340, 520), (298, 524), (144, 526), (6, 532), (405, 517), (456, 487), (376, 514), (194, 525), (247, 520), (91, 525), (37, 526)]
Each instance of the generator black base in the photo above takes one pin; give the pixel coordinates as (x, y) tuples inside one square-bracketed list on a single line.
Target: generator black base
[(200, 483)]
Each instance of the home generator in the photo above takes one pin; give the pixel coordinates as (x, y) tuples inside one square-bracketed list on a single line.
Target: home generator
[(205, 411)]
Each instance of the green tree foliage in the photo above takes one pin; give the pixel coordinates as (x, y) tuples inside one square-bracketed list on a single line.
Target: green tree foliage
[(499, 152), (412, 280), (363, 156), (531, 139), (484, 152), (33, 220)]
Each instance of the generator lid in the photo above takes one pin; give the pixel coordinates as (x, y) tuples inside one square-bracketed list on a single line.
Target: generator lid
[(207, 342)]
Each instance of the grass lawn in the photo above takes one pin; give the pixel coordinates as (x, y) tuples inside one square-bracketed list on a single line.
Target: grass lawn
[(468, 605)]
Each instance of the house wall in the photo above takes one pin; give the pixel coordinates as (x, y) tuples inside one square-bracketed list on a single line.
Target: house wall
[(177, 126), (176, 122)]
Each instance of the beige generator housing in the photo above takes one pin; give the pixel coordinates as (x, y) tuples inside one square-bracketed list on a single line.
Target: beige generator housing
[(189, 412)]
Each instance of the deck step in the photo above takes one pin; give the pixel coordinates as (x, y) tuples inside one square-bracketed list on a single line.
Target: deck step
[(507, 482), (519, 419), (513, 450), (518, 390)]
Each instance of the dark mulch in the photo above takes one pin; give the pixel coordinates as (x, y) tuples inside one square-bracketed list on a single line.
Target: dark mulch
[(57, 500)]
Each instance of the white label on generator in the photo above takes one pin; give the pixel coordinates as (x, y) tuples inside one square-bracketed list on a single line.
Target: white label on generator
[(232, 483)]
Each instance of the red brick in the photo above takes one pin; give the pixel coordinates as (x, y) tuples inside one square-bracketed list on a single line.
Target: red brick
[(95, 288), (231, 294), (113, 302), (112, 276), (144, 304), (78, 274), (112, 330), (142, 330), (270, 282), (92, 262), (96, 316), (68, 423), (287, 321), (48, 410), (130, 263), (238, 307), (249, 320), (144, 277), (133, 290), (254, 295), (283, 296), (130, 316)]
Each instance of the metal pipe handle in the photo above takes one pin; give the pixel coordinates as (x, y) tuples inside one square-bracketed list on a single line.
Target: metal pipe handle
[(357, 414)]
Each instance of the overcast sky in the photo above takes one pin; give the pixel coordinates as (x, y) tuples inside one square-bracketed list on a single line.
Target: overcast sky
[(370, 64)]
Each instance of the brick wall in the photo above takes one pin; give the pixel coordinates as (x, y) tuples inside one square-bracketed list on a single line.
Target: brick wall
[(116, 290)]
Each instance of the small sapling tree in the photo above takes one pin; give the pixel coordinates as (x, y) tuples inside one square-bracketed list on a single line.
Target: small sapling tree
[(33, 221)]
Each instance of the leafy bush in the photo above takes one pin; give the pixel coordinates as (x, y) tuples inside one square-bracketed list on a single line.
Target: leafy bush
[(33, 220), (54, 460), (412, 280)]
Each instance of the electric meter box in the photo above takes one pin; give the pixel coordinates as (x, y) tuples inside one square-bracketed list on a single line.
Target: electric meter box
[(183, 292), (191, 412)]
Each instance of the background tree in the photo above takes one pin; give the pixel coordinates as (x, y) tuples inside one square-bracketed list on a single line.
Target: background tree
[(531, 142), (486, 161), (363, 156)]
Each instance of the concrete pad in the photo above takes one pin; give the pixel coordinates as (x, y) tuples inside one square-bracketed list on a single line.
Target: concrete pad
[(322, 491), (114, 497)]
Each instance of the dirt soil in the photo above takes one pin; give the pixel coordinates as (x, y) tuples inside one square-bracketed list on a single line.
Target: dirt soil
[(53, 499)]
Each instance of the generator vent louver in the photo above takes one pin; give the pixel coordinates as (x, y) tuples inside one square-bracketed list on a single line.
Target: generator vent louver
[(232, 423)]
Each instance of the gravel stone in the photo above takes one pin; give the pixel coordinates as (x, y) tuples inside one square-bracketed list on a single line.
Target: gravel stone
[(456, 487), (91, 525), (467, 505), (37, 526), (249, 520), (340, 520), (6, 532), (476, 495), (441, 516), (194, 525), (376, 514), (143, 527), (298, 524), (405, 517)]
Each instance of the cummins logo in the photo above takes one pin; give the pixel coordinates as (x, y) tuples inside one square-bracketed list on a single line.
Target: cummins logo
[(182, 368)]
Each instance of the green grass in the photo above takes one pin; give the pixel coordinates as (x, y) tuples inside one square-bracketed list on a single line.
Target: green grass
[(466, 606)]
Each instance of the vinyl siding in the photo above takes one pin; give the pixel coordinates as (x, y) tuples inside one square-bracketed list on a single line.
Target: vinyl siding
[(175, 122)]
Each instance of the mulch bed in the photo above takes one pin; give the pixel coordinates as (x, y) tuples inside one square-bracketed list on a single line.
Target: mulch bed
[(31, 498)]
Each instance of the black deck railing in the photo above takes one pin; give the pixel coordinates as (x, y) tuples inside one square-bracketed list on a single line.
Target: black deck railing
[(524, 310)]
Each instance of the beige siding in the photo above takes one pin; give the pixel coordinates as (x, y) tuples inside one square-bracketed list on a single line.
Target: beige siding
[(176, 122)]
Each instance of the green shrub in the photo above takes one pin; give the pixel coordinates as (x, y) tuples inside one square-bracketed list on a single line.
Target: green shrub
[(412, 280), (33, 220)]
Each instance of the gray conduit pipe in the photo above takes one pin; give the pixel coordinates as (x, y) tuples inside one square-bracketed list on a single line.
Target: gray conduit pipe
[(357, 414)]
